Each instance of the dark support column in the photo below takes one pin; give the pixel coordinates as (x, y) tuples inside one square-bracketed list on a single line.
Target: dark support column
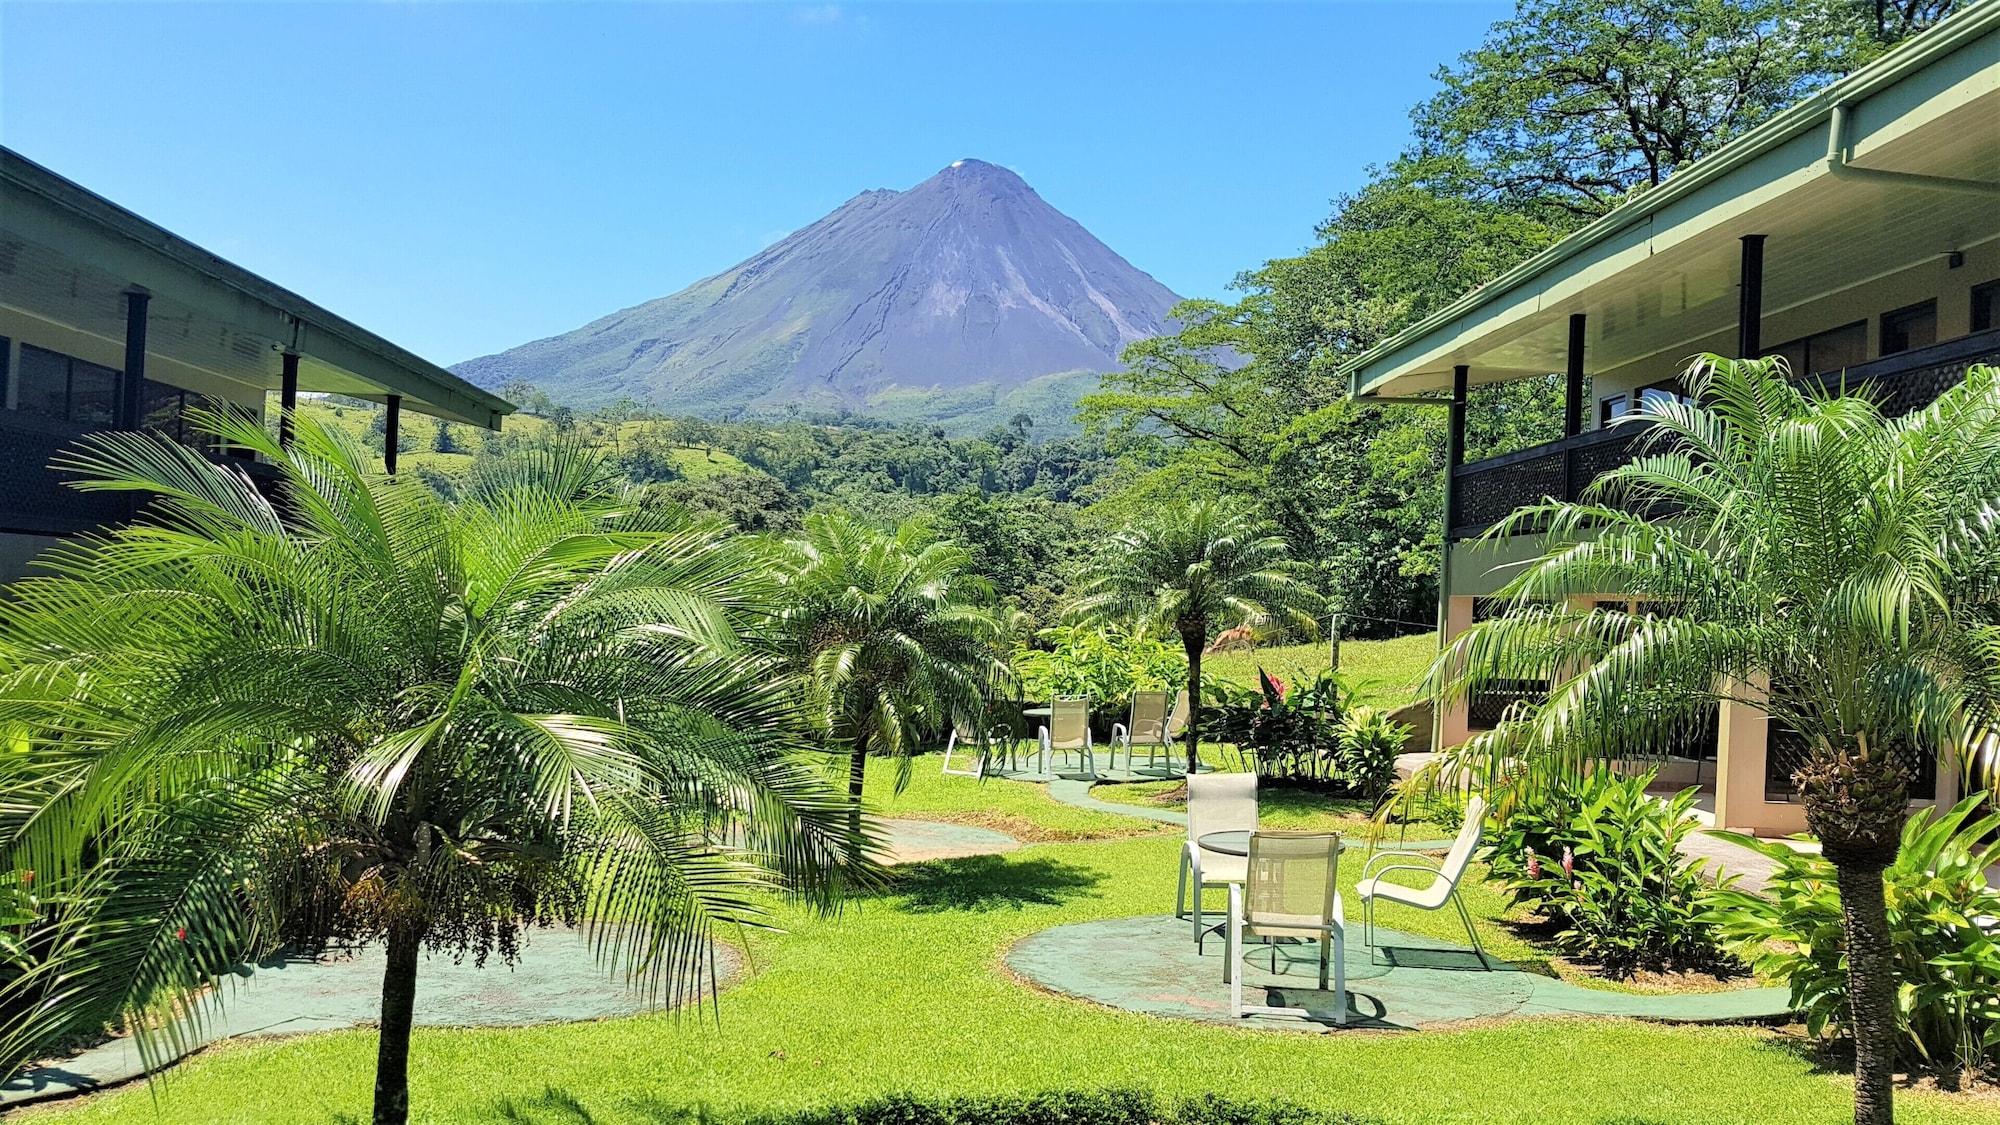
[(288, 399), (1572, 402), (1750, 299), (1573, 385), (131, 388), (390, 427), (1454, 456)]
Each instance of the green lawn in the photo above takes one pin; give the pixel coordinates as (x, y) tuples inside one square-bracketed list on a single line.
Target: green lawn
[(1385, 673), (1022, 810), (905, 991), (1279, 807)]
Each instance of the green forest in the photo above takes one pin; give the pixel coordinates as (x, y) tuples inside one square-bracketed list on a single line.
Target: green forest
[(1565, 110)]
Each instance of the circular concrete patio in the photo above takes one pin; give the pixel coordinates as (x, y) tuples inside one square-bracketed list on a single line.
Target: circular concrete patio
[(1149, 964)]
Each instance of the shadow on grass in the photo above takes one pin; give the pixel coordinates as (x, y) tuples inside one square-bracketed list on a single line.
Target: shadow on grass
[(555, 1106), (991, 882)]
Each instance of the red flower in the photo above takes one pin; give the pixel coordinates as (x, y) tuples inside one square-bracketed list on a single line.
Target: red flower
[(1534, 865), (182, 933), (28, 876), (1569, 863)]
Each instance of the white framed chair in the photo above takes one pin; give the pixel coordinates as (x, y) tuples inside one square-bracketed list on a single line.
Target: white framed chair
[(1145, 726), (982, 747), (1441, 888), (1068, 730), (1291, 890), (1217, 802)]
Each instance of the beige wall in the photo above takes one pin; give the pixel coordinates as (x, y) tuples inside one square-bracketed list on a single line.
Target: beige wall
[(1952, 288)]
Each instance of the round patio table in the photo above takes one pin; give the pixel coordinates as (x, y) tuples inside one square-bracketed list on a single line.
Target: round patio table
[(1225, 843), (1037, 712)]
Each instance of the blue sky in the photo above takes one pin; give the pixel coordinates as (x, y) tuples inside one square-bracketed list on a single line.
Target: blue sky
[(462, 178)]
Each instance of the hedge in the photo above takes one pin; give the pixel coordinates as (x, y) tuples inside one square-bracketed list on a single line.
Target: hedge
[(1062, 1107)]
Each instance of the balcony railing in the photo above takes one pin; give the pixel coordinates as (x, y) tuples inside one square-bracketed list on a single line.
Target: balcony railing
[(1485, 492), (36, 499)]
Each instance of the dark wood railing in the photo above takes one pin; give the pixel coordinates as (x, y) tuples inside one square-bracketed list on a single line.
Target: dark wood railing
[(35, 498), (1485, 492)]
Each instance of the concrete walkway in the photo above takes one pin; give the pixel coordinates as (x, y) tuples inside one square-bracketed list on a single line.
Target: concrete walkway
[(558, 979), (1149, 964)]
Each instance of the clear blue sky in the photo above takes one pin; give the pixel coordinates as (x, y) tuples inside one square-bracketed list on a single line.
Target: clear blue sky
[(462, 178)]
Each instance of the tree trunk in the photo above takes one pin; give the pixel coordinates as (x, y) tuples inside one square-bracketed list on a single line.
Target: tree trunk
[(1871, 987), (392, 1052), (1856, 804), (857, 769), (1192, 640)]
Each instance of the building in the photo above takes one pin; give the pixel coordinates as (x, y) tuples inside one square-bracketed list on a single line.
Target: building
[(109, 321), (1857, 232)]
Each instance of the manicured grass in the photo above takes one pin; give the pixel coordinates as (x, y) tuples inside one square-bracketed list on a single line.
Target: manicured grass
[(1384, 673), (1022, 810), (905, 991), (1280, 807)]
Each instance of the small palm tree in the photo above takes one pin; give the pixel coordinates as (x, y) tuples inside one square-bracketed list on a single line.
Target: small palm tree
[(1194, 571), (360, 714), (1781, 537), (896, 634)]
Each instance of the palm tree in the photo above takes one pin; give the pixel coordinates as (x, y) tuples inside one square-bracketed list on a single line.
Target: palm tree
[(1783, 537), (897, 634), (357, 713), (1195, 570)]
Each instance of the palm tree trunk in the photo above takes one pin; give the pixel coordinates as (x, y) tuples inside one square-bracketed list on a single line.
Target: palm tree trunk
[(399, 1002), (1192, 640), (857, 769), (1871, 987)]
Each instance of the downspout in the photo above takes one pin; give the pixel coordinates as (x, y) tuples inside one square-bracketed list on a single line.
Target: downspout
[(1838, 166)]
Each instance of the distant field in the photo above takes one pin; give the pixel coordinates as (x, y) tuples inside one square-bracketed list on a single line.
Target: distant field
[(1384, 672), (696, 462)]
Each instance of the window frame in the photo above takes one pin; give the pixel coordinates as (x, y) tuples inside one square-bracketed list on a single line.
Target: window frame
[(1883, 322)]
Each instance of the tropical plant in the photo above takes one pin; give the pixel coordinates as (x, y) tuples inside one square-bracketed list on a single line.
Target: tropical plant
[(1105, 663), (1785, 535), (1611, 874), (1944, 931), (350, 712), (1367, 745), (893, 632), (1194, 570)]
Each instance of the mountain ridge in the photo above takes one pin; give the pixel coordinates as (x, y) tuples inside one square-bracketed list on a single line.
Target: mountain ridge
[(967, 288)]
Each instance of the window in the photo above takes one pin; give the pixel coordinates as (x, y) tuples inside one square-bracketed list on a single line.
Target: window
[(1986, 306), (1828, 351), (54, 385), (1617, 406), (1913, 327)]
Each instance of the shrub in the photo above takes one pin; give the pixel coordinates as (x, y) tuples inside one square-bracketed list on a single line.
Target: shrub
[(1061, 1107), (1105, 664), (1944, 925), (1600, 857), (1368, 742)]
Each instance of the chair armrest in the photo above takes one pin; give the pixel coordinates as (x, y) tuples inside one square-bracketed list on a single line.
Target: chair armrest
[(1377, 877), (1395, 853), (1120, 736)]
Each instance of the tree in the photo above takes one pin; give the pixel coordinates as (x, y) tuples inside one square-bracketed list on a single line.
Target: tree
[(1578, 103), (894, 633), (359, 714), (1789, 539), (1194, 570)]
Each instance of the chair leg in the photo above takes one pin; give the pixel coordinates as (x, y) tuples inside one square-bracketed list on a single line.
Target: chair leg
[(1180, 888), (1368, 927), (1233, 973), (1339, 978), (1465, 916)]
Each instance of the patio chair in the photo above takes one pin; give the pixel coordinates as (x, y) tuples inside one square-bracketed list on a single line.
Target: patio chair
[(1147, 726), (1068, 729), (1442, 887), (983, 745), (1217, 802), (1291, 891)]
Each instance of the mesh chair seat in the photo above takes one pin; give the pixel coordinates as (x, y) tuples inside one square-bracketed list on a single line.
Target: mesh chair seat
[(1292, 890)]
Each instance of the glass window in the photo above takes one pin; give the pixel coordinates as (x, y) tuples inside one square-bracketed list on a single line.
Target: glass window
[(1828, 351), (93, 394), (44, 387), (1617, 406), (1986, 306), (1914, 327)]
